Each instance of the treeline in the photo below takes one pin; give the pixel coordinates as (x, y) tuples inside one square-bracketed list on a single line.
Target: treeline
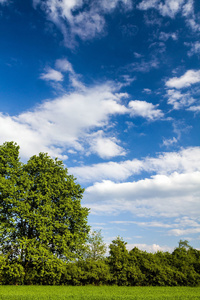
[(45, 238), (121, 267)]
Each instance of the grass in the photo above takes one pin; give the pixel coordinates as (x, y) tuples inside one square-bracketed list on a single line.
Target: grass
[(96, 293)]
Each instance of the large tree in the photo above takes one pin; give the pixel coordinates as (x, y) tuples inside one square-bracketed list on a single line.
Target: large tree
[(41, 216)]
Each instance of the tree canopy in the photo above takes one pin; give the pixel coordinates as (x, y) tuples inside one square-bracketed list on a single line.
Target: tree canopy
[(41, 216)]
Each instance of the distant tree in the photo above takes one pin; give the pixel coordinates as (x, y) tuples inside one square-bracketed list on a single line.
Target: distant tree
[(41, 217), (184, 244), (185, 261), (95, 248), (118, 261)]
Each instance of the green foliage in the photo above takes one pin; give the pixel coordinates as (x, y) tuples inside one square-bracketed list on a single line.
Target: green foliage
[(44, 236), (40, 212), (96, 248), (87, 272), (118, 261), (13, 273)]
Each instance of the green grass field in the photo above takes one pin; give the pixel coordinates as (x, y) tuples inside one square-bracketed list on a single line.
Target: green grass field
[(96, 293)]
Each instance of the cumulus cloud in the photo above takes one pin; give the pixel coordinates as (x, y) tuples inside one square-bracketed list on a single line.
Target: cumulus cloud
[(183, 99), (168, 196), (184, 161), (145, 110), (111, 170), (105, 147), (68, 122), (74, 121), (186, 80), (179, 100)]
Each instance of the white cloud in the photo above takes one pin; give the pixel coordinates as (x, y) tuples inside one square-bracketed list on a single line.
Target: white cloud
[(85, 24), (73, 19), (169, 142), (147, 91), (145, 110), (65, 66), (3, 1), (150, 248), (51, 74), (105, 147), (68, 122), (179, 232), (188, 8), (179, 100), (169, 196), (195, 48), (184, 161), (169, 8), (31, 141), (110, 170), (186, 80), (165, 36), (191, 18), (182, 226), (143, 224), (147, 4), (112, 4), (194, 108)]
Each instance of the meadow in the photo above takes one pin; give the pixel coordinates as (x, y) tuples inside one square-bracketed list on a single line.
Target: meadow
[(96, 293)]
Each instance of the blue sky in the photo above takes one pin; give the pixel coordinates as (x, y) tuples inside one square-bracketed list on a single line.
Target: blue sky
[(113, 89)]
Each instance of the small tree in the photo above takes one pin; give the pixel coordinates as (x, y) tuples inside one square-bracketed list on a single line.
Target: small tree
[(96, 248), (118, 261)]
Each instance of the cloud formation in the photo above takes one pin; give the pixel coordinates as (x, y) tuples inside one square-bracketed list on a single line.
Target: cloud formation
[(145, 110), (182, 91), (169, 8), (184, 161), (67, 122), (161, 195), (105, 147), (76, 121), (51, 74), (179, 100), (189, 78), (73, 19)]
